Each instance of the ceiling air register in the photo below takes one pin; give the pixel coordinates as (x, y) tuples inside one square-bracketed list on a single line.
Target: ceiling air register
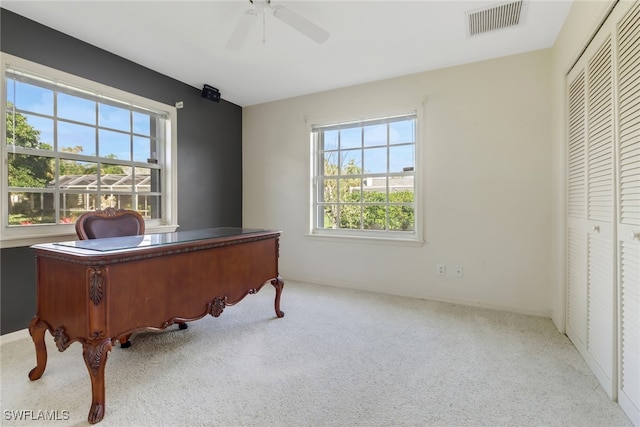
[(494, 18)]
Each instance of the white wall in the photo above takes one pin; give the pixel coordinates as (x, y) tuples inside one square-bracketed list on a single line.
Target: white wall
[(581, 24), (487, 185)]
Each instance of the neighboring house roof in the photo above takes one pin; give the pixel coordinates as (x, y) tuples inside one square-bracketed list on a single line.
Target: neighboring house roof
[(396, 183), (122, 182)]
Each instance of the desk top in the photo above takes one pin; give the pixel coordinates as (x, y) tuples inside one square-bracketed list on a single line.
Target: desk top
[(122, 245), (130, 242)]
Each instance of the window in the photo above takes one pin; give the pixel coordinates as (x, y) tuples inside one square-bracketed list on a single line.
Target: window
[(72, 146), (364, 178)]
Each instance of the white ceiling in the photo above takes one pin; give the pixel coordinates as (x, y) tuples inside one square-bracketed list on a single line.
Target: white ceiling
[(369, 40)]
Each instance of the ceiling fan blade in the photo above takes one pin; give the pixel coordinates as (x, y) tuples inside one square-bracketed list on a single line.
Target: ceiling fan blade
[(242, 29), (301, 24)]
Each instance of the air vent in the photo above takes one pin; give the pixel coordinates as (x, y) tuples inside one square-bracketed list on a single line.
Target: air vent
[(494, 17)]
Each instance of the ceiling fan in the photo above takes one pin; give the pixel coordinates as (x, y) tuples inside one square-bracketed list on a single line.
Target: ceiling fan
[(286, 15)]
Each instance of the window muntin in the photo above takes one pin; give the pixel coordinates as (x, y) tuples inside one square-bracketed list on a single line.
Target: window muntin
[(69, 149), (364, 178)]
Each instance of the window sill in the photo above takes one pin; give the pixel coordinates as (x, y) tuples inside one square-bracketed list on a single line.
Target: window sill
[(382, 240)]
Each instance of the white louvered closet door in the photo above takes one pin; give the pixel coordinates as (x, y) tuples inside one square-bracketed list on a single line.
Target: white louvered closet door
[(591, 291), (603, 206), (601, 290), (628, 227), (577, 213)]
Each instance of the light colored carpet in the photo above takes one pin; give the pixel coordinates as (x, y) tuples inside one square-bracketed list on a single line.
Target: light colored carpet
[(339, 357)]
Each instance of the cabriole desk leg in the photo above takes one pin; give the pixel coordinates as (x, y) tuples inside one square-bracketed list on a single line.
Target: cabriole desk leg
[(278, 283), (37, 330), (95, 357)]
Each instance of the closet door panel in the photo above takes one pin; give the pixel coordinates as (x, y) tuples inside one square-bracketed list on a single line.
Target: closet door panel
[(600, 123), (601, 286), (577, 289), (629, 383), (628, 228), (577, 213), (601, 300)]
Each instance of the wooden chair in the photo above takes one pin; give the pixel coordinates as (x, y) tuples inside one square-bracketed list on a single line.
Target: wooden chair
[(112, 222)]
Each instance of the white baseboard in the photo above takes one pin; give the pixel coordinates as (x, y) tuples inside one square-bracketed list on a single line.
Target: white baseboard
[(517, 310), (14, 336)]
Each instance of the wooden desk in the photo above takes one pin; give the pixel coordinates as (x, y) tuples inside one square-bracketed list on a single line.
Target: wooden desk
[(98, 291)]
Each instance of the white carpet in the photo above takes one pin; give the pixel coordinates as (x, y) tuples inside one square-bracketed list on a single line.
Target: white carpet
[(338, 358)]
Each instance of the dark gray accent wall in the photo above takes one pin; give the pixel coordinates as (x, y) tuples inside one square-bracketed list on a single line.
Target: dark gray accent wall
[(209, 145)]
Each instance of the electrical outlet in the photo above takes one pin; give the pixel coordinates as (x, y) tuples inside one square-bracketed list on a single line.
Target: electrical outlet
[(442, 270), (458, 271)]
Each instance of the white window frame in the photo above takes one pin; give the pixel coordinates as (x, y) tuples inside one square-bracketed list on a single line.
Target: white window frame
[(14, 236), (413, 238)]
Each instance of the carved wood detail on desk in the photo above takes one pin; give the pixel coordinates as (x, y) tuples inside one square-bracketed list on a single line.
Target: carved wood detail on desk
[(95, 358), (217, 306), (96, 285), (61, 339), (97, 299), (93, 354)]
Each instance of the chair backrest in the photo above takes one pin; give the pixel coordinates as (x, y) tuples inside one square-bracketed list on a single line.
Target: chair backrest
[(109, 222)]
